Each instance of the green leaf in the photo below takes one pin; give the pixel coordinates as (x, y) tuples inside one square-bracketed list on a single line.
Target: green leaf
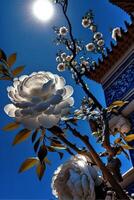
[(129, 138), (40, 170), (11, 59), (21, 136), (29, 163), (18, 70), (11, 126)]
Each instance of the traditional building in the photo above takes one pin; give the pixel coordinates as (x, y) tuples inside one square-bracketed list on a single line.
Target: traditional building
[(116, 74)]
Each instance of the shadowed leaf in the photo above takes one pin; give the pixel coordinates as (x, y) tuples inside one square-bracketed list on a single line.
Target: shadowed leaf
[(3, 55), (42, 153), (36, 145), (21, 136), (34, 135), (11, 126), (129, 138), (11, 59), (29, 163), (40, 170), (18, 70), (61, 154)]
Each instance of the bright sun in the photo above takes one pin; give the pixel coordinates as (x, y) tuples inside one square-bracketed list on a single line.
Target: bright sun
[(43, 9)]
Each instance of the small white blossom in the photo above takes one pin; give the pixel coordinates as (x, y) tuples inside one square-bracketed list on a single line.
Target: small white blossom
[(93, 28), (40, 99), (90, 47), (63, 31), (61, 67), (86, 22), (100, 43), (98, 35), (85, 63), (68, 58), (116, 32), (63, 56)]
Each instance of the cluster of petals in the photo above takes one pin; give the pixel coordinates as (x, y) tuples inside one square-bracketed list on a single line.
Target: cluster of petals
[(76, 180), (39, 100), (63, 60)]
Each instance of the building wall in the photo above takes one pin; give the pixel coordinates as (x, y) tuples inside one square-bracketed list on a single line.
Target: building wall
[(119, 85)]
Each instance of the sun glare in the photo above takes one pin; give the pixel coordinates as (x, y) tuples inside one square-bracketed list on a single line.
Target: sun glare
[(43, 10)]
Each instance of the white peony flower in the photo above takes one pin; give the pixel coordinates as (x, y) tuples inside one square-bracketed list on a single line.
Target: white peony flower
[(100, 43), (98, 35), (90, 47), (40, 99), (61, 67), (63, 30), (86, 22), (116, 32), (76, 180)]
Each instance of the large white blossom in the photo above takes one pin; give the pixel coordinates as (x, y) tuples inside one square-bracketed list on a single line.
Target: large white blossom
[(76, 180), (40, 99)]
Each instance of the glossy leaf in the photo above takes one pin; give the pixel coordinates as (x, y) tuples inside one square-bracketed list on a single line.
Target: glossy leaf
[(11, 59), (129, 138), (11, 126), (40, 170), (29, 163), (21, 136), (18, 70)]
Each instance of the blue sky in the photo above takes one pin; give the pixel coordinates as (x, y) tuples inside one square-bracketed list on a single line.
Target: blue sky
[(21, 32)]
